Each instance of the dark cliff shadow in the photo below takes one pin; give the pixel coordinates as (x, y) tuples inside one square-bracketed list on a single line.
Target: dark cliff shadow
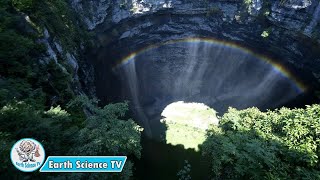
[(163, 161)]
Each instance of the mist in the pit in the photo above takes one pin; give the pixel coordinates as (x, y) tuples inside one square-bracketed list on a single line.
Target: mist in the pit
[(216, 75)]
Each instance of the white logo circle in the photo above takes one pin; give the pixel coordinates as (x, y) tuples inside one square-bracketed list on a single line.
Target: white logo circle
[(27, 155)]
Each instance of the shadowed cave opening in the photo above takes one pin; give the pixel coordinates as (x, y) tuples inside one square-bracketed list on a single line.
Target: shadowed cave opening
[(215, 73), (219, 75), (155, 60)]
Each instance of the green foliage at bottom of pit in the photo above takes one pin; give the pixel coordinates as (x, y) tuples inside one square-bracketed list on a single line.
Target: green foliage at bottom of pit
[(186, 123), (280, 144)]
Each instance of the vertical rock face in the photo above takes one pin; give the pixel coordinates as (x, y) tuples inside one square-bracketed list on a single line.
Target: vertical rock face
[(288, 31), (256, 6), (92, 12), (292, 26), (296, 4), (314, 22), (290, 14), (66, 59)]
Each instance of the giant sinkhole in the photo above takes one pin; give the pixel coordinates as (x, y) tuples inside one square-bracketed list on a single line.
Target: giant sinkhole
[(160, 59)]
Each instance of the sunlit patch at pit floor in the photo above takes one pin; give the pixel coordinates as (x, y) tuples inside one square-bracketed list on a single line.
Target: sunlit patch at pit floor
[(186, 123)]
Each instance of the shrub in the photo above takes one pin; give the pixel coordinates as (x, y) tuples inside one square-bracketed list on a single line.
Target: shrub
[(23, 5), (281, 144), (107, 133)]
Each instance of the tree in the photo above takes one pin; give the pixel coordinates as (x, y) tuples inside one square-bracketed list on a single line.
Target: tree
[(280, 144), (106, 132)]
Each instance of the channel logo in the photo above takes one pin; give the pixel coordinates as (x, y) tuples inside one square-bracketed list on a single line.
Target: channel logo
[(27, 155), (112, 164)]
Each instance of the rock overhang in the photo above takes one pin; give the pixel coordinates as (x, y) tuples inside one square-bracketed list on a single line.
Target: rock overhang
[(287, 44)]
